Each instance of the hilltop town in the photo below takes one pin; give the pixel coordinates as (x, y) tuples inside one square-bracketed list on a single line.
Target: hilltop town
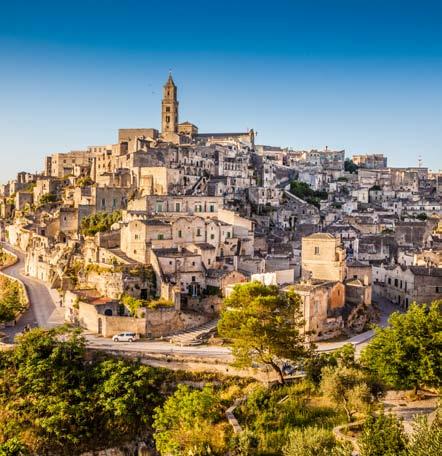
[(150, 233)]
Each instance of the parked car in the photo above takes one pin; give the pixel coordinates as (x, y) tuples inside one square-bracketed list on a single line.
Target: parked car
[(125, 337)]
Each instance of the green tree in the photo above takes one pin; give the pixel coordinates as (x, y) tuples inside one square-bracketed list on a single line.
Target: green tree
[(350, 166), (132, 304), (99, 222), (56, 400), (344, 356), (426, 439), (408, 352), (13, 447), (11, 300), (264, 326), (314, 441), (348, 388), (189, 423), (382, 435), (47, 198)]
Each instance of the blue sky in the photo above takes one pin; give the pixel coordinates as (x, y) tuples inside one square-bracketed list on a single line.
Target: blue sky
[(364, 75)]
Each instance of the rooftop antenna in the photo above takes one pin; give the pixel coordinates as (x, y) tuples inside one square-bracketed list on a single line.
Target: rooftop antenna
[(419, 161)]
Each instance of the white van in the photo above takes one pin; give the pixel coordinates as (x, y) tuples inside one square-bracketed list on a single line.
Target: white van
[(125, 337)]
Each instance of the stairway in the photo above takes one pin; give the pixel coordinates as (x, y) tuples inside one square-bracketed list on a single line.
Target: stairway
[(195, 336)]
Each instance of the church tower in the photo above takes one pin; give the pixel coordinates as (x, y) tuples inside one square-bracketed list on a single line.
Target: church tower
[(169, 108)]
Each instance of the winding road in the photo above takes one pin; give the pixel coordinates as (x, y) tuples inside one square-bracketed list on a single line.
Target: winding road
[(44, 310)]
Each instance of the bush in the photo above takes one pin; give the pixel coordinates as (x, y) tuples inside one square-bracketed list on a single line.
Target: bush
[(314, 441), (190, 422), (99, 222), (11, 299), (348, 388), (382, 435)]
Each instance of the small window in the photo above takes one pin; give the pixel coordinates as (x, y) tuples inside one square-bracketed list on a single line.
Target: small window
[(180, 233), (212, 236), (198, 231), (160, 237), (316, 250), (193, 279)]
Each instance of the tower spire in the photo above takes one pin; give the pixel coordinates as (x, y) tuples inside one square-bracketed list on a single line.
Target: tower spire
[(169, 107)]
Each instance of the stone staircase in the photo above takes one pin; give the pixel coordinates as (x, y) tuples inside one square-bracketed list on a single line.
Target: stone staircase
[(195, 336)]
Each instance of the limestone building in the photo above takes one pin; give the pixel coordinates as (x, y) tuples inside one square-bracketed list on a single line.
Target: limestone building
[(323, 257)]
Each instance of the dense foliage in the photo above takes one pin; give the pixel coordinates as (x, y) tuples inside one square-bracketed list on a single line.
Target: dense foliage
[(47, 198), (99, 222), (11, 299), (191, 422), (315, 441), (408, 352), (54, 400), (264, 326), (305, 192), (272, 414), (382, 435), (5, 258), (426, 439), (350, 166), (349, 388)]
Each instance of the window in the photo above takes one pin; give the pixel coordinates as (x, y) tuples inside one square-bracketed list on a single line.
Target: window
[(395, 282), (160, 237), (228, 234), (137, 237), (198, 231), (160, 207), (316, 250), (167, 108), (193, 279), (180, 233), (193, 263), (389, 281), (211, 208), (135, 252), (208, 261), (177, 207), (167, 119), (212, 236)]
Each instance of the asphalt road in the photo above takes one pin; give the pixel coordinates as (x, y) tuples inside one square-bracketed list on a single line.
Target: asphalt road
[(46, 312), (43, 311)]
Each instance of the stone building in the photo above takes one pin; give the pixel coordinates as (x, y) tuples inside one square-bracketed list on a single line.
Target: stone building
[(322, 307), (323, 257)]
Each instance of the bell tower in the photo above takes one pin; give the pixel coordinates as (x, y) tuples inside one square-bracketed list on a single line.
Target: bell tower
[(169, 107)]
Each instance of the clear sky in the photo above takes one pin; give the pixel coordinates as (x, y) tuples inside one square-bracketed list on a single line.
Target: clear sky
[(363, 75)]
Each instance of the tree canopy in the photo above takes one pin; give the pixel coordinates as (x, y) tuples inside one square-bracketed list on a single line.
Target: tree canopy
[(305, 192), (11, 299), (264, 326), (190, 422), (99, 222), (56, 400), (382, 435), (408, 352)]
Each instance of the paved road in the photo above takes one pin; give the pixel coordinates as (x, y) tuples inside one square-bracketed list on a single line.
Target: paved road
[(43, 312)]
